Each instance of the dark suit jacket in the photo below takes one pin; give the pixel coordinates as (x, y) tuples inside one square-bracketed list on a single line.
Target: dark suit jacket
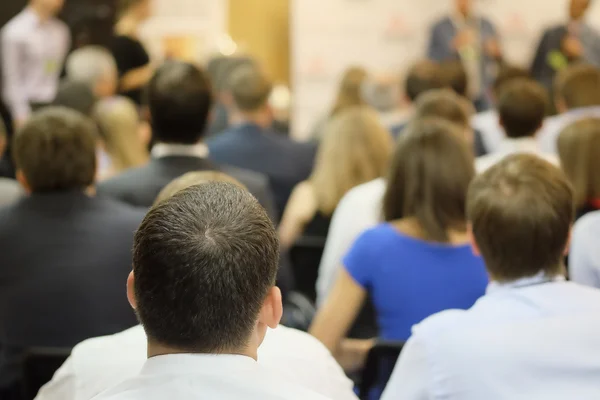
[(64, 262), (284, 161), (551, 41)]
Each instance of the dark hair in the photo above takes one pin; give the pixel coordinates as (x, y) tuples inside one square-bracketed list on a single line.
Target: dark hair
[(56, 150), (77, 96), (422, 77), (203, 261), (522, 107), (250, 88), (124, 5), (180, 100), (521, 211), (429, 176), (506, 74), (444, 104), (578, 86), (455, 77)]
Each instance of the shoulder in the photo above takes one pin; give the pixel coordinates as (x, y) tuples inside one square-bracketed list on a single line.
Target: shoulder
[(376, 238), (442, 23), (589, 224), (247, 177), (363, 195), (284, 341), (126, 178), (483, 163), (444, 321), (61, 26), (17, 27), (121, 212)]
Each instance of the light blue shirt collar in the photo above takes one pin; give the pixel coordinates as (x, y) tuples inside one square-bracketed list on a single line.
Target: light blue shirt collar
[(539, 279)]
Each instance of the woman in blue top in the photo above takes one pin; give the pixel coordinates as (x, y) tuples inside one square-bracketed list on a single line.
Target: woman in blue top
[(419, 262)]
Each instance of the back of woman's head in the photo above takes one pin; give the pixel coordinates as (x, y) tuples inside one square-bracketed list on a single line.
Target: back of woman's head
[(429, 177), (350, 90), (579, 152), (119, 124), (355, 149)]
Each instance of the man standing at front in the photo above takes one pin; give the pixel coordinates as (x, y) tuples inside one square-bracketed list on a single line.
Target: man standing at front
[(34, 47)]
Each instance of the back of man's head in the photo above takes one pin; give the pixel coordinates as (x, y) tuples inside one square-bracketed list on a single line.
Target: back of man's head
[(521, 211), (522, 108), (250, 89), (94, 66), (422, 77), (77, 96), (455, 77), (56, 151), (577, 86), (180, 100), (205, 263), (506, 74), (444, 104)]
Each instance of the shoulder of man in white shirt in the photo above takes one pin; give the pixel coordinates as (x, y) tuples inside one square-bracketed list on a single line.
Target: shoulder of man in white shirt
[(101, 363), (483, 163)]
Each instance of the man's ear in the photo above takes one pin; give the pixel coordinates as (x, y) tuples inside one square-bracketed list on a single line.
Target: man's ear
[(474, 245), (272, 309), (568, 246), (131, 291), (23, 181)]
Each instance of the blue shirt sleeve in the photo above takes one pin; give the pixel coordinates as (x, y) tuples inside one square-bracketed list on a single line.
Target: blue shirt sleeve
[(361, 259)]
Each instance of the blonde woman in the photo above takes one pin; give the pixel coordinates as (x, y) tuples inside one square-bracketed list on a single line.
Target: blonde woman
[(579, 152), (125, 137), (355, 149)]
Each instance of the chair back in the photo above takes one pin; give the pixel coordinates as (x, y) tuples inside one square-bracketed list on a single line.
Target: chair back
[(378, 368), (39, 366), (306, 256)]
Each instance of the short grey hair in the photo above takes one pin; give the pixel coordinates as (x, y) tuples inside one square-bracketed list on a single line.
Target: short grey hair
[(89, 64)]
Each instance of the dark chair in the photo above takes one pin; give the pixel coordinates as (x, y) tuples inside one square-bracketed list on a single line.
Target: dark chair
[(298, 312), (378, 369), (306, 256), (39, 366)]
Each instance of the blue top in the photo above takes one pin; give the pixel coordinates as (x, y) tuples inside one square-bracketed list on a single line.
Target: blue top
[(410, 279)]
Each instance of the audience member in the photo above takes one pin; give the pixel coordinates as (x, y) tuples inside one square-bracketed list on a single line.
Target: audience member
[(76, 96), (96, 67), (101, 363), (488, 122), (419, 262), (584, 257), (10, 191), (250, 144), (520, 212), (125, 138), (579, 151), (360, 208), (132, 59), (382, 93), (206, 315), (522, 107), (577, 96), (61, 246), (355, 149)]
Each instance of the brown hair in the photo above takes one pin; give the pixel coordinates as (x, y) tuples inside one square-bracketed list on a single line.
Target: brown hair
[(250, 88), (521, 211), (422, 77), (445, 104), (579, 152), (455, 77), (522, 107), (56, 150), (355, 149), (578, 86), (192, 179), (428, 179), (506, 74), (125, 5), (350, 90)]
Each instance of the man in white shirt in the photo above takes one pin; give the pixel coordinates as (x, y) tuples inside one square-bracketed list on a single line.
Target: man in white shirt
[(584, 258), (204, 268), (34, 47), (522, 108), (533, 335)]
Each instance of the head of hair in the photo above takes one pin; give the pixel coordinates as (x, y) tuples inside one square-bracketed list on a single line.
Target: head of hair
[(578, 149), (421, 78), (124, 6), (381, 93), (429, 177), (56, 150), (578, 86), (522, 107), (180, 100), (221, 68), (192, 179), (91, 65), (355, 149), (455, 77), (119, 126), (444, 104), (204, 261), (349, 91), (506, 74), (76, 96), (521, 211), (250, 88)]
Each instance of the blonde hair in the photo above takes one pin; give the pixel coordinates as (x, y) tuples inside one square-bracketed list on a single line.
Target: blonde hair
[(355, 149), (579, 150), (119, 123), (193, 179), (350, 90)]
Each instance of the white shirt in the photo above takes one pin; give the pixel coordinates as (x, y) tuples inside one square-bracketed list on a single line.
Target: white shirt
[(553, 126), (584, 258), (33, 53), (532, 339), (488, 124), (102, 363), (509, 146), (160, 150), (359, 210)]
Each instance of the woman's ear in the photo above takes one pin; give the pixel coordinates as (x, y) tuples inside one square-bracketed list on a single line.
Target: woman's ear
[(474, 245), (131, 291)]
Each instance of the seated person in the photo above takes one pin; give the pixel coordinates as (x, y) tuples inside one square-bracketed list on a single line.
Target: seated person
[(203, 286), (250, 143), (584, 257), (522, 108), (95, 67), (533, 335), (101, 363), (64, 252), (417, 263), (10, 190), (579, 152)]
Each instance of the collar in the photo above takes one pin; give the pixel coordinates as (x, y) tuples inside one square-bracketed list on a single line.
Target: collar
[(582, 111), (35, 17), (519, 145), (539, 279), (198, 150), (199, 363)]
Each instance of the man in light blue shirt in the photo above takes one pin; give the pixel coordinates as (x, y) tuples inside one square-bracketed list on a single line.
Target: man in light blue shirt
[(533, 335), (584, 260)]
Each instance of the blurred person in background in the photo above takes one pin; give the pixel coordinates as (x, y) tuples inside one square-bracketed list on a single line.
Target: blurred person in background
[(133, 61), (419, 261), (471, 39), (34, 46), (61, 245), (570, 42), (579, 152), (584, 255), (77, 96), (96, 67), (10, 190)]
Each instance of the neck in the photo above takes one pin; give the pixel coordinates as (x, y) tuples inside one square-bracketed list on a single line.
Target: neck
[(127, 25), (42, 13), (157, 349), (260, 118)]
